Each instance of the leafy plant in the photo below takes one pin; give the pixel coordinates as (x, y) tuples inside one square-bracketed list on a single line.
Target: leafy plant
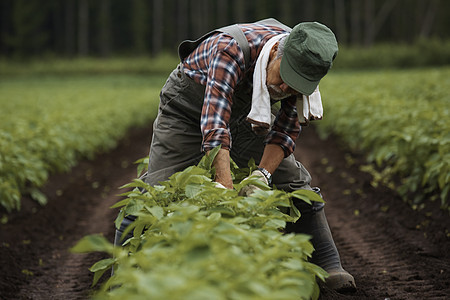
[(401, 119), (192, 240), (48, 124), (421, 53)]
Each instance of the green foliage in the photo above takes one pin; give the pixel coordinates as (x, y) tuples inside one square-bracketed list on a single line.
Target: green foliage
[(26, 37), (48, 124), (192, 240), (142, 165), (422, 53), (401, 119), (161, 65)]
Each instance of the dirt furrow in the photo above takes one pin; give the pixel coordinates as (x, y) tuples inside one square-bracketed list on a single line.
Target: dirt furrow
[(377, 235), (37, 239)]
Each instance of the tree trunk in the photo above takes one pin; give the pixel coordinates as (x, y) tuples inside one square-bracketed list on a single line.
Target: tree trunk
[(57, 30), (341, 28), (105, 28), (205, 11), (286, 12), (222, 13), (239, 11), (69, 36), (355, 22), (368, 22), (261, 9), (157, 32), (5, 25), (428, 21), (83, 27), (139, 25), (182, 20), (195, 19), (373, 24), (309, 10)]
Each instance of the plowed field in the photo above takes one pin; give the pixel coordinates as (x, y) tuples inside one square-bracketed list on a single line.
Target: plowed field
[(392, 251)]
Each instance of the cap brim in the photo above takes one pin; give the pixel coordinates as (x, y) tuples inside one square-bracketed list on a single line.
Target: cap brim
[(295, 80)]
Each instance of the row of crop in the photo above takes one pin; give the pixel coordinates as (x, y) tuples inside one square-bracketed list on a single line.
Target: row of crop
[(192, 240), (47, 124), (401, 120)]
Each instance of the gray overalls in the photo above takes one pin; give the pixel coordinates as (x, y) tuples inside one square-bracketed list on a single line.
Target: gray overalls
[(177, 139)]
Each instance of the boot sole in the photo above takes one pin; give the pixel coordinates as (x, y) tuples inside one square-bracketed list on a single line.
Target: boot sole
[(341, 282)]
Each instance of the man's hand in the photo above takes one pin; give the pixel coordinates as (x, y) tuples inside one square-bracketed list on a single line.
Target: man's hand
[(220, 186), (250, 189), (272, 156), (271, 159), (222, 165)]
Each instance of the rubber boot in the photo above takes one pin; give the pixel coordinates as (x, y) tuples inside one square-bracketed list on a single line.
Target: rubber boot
[(118, 241), (127, 220), (314, 222)]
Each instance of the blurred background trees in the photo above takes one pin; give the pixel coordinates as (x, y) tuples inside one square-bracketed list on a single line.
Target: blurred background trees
[(140, 27)]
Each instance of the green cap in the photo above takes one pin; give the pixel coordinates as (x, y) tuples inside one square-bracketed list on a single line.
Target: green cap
[(309, 52)]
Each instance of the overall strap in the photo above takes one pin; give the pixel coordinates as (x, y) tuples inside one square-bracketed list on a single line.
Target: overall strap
[(274, 22), (236, 32), (187, 46)]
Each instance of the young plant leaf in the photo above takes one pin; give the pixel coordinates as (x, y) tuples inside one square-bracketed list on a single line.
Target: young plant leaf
[(92, 243)]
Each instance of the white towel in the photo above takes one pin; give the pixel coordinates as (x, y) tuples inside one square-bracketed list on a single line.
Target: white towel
[(260, 115), (308, 107)]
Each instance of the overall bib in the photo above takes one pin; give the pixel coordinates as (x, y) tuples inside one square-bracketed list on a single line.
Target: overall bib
[(177, 139)]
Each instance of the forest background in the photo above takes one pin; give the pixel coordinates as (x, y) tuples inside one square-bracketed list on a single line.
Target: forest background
[(105, 28)]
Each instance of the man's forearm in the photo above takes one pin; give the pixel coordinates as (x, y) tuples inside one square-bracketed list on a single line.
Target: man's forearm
[(222, 165), (272, 157)]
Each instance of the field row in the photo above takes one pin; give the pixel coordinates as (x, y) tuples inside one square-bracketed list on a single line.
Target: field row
[(401, 120), (47, 124)]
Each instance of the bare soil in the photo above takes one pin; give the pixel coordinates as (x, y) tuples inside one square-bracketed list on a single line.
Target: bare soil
[(393, 251)]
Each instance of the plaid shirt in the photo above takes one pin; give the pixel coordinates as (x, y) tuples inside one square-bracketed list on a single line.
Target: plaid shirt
[(218, 63)]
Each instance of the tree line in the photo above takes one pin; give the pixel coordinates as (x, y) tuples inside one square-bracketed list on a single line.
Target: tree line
[(140, 27)]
